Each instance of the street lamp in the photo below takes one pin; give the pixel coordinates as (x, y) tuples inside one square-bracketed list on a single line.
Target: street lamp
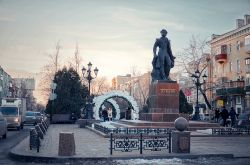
[(196, 79), (87, 74)]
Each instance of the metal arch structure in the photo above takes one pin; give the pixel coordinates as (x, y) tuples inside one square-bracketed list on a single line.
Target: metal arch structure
[(100, 100)]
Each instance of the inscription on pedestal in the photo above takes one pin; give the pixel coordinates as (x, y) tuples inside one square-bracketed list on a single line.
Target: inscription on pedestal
[(163, 102), (168, 91)]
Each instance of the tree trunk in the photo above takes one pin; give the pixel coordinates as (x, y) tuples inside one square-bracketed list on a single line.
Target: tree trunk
[(205, 97)]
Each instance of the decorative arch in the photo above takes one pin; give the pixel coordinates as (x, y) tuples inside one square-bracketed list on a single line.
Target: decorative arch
[(100, 100)]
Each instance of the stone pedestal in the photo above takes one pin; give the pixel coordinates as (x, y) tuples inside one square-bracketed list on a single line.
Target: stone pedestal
[(181, 142), (66, 144), (163, 102)]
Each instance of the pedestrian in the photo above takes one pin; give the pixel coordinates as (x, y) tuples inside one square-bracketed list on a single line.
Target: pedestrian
[(224, 115), (105, 115), (232, 115), (110, 114), (217, 115)]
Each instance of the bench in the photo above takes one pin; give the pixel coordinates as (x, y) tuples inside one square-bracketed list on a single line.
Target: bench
[(61, 118)]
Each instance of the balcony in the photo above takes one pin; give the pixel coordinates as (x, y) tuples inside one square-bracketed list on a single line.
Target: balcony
[(221, 92), (221, 58), (236, 91), (230, 91), (232, 88), (247, 88), (234, 84)]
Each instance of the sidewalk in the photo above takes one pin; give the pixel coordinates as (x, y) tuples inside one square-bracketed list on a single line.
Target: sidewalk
[(89, 145)]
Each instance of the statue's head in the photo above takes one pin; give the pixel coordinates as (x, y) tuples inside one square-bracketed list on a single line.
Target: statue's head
[(164, 32)]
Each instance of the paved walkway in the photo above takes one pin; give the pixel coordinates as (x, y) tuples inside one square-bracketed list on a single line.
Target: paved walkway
[(91, 145)]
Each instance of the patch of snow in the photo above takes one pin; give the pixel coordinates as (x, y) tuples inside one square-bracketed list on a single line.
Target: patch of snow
[(206, 131)]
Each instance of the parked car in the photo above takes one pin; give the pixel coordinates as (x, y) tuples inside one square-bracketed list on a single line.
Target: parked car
[(32, 117), (39, 117), (3, 126)]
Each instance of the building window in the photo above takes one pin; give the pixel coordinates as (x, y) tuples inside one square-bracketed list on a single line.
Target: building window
[(247, 40), (247, 81), (238, 99), (238, 66), (238, 45), (230, 66), (230, 48), (247, 62)]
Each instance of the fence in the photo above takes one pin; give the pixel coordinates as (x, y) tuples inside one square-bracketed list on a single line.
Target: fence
[(37, 134), (107, 130), (139, 142), (231, 131)]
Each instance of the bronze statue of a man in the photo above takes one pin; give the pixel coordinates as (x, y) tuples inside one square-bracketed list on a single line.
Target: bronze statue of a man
[(164, 61)]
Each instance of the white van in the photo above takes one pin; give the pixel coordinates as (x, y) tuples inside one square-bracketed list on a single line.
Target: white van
[(13, 109), (3, 126)]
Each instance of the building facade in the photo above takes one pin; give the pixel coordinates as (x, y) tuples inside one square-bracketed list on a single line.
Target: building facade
[(5, 84), (229, 68), (121, 82)]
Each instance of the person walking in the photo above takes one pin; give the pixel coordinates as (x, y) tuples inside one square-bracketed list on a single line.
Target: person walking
[(110, 114), (232, 115), (224, 115), (217, 115), (105, 115)]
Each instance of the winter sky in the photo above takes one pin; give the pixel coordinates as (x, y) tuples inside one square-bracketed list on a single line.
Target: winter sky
[(113, 34)]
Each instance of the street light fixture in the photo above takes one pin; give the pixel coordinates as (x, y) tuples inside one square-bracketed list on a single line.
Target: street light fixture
[(87, 74), (198, 84)]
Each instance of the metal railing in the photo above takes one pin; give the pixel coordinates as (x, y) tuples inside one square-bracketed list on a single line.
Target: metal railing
[(107, 130), (231, 131), (139, 142)]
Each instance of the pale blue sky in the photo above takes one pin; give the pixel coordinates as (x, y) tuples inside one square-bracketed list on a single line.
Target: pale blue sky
[(113, 34)]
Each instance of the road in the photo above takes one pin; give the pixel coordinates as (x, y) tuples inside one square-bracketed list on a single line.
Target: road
[(13, 138)]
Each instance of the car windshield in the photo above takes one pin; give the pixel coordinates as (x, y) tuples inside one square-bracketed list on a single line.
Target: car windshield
[(30, 114), (9, 110)]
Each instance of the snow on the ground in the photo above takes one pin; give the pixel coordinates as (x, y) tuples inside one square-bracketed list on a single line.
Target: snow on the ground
[(206, 131)]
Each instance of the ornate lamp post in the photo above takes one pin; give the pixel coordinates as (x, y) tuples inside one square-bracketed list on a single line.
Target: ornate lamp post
[(87, 74), (196, 79)]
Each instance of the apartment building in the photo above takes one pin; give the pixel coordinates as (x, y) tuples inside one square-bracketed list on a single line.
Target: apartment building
[(120, 82), (5, 84), (229, 69)]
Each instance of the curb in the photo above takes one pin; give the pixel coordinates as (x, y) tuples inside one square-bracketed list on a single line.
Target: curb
[(45, 159), (62, 159)]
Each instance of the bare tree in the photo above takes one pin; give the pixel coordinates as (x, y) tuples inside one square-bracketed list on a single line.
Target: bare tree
[(77, 60), (140, 86), (48, 71), (100, 85), (193, 59)]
